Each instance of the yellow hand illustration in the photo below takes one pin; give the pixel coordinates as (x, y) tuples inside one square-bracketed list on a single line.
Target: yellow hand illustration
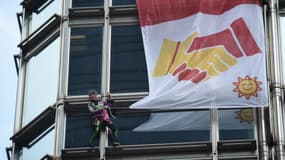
[(174, 56)]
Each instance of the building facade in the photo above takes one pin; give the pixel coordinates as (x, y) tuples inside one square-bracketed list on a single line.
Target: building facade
[(71, 46)]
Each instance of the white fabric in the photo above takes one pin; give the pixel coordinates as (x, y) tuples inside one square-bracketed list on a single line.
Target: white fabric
[(166, 92)]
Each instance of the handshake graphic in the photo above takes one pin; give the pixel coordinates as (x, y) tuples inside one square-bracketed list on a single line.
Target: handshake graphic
[(199, 58)]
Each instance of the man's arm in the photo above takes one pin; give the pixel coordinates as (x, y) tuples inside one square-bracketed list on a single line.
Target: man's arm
[(110, 102), (95, 108)]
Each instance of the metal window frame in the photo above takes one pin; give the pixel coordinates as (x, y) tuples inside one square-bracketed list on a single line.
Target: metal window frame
[(34, 129), (41, 37), (35, 6), (17, 62), (8, 152), (199, 150), (77, 108), (282, 12), (127, 15), (47, 157), (68, 28), (99, 16), (19, 20), (20, 91)]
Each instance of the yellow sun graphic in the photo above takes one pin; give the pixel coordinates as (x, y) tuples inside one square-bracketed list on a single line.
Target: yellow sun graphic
[(245, 115), (247, 87)]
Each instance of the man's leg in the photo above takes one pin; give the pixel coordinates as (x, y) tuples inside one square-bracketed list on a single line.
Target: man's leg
[(96, 130), (113, 134)]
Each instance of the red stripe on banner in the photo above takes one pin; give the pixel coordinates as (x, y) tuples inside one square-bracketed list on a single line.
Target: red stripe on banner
[(199, 77), (188, 74), (245, 38), (174, 56), (224, 38), (180, 69), (157, 11)]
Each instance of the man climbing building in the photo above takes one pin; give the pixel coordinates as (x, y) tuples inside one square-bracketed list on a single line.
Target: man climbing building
[(100, 110)]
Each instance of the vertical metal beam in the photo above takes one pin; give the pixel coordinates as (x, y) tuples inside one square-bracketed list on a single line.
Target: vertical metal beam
[(20, 88), (64, 52), (262, 142), (214, 132), (106, 56), (276, 80), (59, 130), (60, 119), (261, 124), (105, 83)]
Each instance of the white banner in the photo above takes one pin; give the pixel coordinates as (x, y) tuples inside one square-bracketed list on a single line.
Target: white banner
[(203, 56)]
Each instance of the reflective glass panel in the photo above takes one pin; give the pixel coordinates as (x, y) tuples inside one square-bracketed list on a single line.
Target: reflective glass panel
[(163, 127), (128, 66), (37, 19), (41, 148), (85, 61), (79, 131), (236, 124), (124, 2), (145, 128), (87, 3), (41, 81)]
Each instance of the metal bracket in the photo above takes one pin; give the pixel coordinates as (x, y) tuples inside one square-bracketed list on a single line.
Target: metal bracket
[(8, 152), (16, 62), (19, 18)]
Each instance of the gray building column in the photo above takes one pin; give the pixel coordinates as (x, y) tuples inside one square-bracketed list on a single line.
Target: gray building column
[(105, 82), (20, 88), (263, 147), (276, 116)]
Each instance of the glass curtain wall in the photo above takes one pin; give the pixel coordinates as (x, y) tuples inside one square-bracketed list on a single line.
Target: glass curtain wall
[(43, 13), (87, 3), (85, 62), (41, 81), (128, 75), (128, 66), (236, 124), (41, 148)]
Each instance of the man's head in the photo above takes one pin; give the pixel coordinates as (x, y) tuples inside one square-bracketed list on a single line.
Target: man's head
[(92, 95)]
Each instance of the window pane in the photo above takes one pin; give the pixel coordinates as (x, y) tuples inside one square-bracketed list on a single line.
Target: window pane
[(41, 81), (124, 2), (41, 148), (144, 128), (236, 124), (87, 3), (128, 66), (39, 18), (85, 62), (164, 127), (79, 131)]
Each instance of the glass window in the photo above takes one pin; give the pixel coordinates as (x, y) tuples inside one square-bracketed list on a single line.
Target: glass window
[(40, 149), (37, 19), (85, 63), (79, 131), (236, 124), (128, 66), (87, 3), (41, 81), (163, 127), (124, 2), (145, 128)]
